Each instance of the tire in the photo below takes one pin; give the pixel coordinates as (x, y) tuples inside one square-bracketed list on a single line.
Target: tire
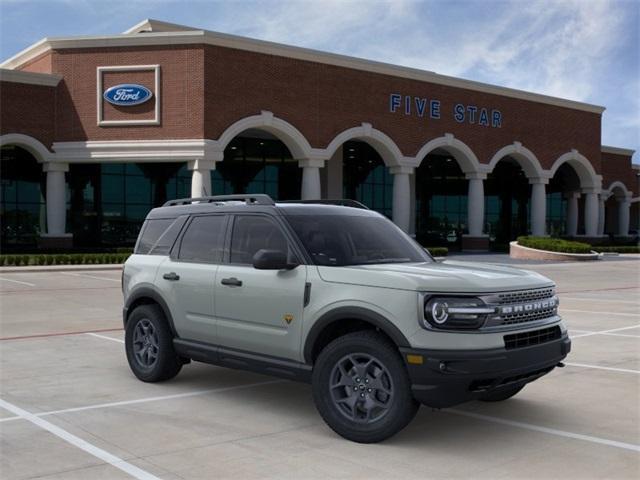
[(501, 395), (381, 406), (149, 345)]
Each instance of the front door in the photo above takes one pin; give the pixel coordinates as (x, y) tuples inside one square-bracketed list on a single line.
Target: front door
[(259, 311)]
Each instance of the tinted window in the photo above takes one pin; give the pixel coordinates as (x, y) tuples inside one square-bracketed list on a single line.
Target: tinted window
[(342, 240), (204, 239), (166, 240), (151, 231), (252, 233)]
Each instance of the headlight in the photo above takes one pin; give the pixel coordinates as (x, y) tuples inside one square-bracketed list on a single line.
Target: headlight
[(455, 312)]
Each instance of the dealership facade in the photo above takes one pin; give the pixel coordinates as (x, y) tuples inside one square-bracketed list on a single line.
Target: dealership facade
[(95, 131)]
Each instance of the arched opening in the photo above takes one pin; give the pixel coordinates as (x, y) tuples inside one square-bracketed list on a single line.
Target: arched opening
[(365, 177), (618, 199), (22, 208), (257, 161), (441, 200), (108, 202), (507, 202), (564, 183)]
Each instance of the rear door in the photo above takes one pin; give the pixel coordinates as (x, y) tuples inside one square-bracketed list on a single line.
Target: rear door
[(259, 311), (187, 277)]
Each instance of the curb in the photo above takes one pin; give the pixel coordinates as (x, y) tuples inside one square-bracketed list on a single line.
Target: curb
[(59, 268), (527, 253)]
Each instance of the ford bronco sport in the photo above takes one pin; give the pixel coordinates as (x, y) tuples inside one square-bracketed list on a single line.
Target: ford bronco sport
[(333, 294)]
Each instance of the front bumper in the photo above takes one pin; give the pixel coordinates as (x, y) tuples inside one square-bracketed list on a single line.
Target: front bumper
[(449, 377)]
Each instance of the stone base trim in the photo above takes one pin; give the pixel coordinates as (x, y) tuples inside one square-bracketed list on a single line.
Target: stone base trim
[(475, 244)]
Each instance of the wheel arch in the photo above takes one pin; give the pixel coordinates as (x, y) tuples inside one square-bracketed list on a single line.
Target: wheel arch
[(344, 319), (147, 296)]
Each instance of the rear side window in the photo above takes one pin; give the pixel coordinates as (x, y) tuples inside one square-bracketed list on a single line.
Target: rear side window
[(151, 232), (168, 238), (203, 240)]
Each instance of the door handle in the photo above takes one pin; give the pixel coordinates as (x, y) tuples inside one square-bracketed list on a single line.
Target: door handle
[(231, 282), (173, 276)]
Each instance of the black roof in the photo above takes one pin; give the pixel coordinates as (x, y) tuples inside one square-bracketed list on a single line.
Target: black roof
[(258, 203)]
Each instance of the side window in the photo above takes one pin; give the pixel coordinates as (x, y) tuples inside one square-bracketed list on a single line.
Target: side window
[(204, 240), (252, 233), (151, 231), (166, 240)]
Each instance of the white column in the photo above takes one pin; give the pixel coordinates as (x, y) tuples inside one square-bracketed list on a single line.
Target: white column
[(56, 198), (601, 213), (335, 188), (538, 206), (624, 205), (201, 177), (572, 213), (412, 205), (590, 213), (401, 196), (475, 207), (310, 179)]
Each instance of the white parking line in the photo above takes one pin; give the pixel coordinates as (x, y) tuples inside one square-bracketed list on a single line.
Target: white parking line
[(79, 443), (105, 337), (552, 431), (605, 331), (18, 281), (91, 276), (194, 393), (601, 313), (599, 300), (598, 367)]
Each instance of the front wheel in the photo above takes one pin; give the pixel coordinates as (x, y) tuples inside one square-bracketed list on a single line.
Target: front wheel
[(501, 395), (361, 388), (149, 345)]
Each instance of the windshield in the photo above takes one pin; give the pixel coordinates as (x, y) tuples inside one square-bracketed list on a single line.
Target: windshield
[(343, 240)]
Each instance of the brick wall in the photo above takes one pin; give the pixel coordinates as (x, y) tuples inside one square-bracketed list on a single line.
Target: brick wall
[(618, 167)]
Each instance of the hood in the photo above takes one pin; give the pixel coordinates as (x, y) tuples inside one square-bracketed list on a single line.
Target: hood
[(447, 276)]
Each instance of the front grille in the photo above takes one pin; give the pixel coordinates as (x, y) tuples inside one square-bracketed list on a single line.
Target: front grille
[(526, 296), (523, 296), (535, 337)]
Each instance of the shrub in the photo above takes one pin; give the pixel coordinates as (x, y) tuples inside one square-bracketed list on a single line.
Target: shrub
[(438, 251), (554, 245), (618, 249)]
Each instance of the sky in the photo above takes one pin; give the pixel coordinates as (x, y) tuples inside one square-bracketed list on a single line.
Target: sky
[(584, 50)]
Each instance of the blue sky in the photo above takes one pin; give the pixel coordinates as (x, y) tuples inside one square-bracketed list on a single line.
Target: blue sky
[(585, 50)]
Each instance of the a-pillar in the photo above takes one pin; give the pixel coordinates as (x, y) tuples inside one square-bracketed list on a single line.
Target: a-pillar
[(201, 177), (311, 189), (401, 210), (590, 213), (602, 201), (624, 205), (56, 236), (538, 206), (572, 213), (475, 240)]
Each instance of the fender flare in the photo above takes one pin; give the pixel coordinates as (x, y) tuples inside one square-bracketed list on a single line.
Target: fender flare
[(147, 292), (351, 313)]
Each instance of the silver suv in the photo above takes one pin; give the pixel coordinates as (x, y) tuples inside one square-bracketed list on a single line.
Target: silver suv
[(331, 293)]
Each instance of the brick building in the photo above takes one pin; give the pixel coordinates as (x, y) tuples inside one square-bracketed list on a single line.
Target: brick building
[(95, 131)]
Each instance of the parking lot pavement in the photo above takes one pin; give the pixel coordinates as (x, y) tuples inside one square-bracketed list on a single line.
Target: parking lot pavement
[(70, 408)]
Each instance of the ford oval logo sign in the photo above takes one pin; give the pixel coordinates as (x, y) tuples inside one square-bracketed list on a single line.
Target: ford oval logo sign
[(127, 94)]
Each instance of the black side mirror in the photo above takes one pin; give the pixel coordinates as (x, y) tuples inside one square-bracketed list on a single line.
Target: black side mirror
[(272, 260)]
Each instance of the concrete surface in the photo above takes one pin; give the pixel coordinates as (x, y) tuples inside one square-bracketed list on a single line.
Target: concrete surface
[(70, 408)]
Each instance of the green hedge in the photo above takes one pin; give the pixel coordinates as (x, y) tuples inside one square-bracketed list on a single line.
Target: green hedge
[(618, 249), (62, 259), (554, 245), (438, 251)]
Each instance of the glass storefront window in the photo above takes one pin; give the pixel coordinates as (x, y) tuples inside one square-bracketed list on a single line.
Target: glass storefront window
[(366, 178), (22, 203)]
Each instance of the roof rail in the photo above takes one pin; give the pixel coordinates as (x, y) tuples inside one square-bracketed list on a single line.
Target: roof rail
[(257, 198), (342, 202)]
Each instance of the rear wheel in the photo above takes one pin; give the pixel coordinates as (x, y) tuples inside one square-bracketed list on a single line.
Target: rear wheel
[(502, 394), (149, 345), (361, 388)]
